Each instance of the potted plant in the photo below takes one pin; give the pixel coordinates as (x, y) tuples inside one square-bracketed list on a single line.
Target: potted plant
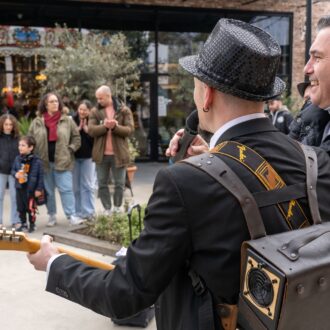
[(133, 153)]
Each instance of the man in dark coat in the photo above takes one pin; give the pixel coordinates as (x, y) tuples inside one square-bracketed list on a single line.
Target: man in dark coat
[(279, 115), (318, 70), (192, 222), (308, 126)]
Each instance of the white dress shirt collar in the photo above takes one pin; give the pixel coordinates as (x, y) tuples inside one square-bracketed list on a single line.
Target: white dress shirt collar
[(232, 123)]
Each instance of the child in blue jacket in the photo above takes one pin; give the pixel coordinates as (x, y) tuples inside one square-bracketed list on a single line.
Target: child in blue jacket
[(27, 170)]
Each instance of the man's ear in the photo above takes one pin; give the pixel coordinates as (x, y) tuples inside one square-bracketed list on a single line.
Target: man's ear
[(208, 96)]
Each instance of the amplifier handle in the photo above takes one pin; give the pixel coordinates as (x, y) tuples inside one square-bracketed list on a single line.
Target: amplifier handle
[(291, 249)]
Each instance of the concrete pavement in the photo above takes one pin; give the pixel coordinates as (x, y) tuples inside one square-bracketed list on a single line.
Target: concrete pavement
[(24, 303)]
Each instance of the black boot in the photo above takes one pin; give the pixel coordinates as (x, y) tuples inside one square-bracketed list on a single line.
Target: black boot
[(32, 227)]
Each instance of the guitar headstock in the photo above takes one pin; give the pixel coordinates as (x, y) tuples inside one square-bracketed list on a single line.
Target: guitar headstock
[(13, 240)]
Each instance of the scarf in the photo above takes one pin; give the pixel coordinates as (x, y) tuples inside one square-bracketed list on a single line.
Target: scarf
[(51, 123)]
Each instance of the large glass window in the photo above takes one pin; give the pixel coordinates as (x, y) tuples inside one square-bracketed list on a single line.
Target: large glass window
[(279, 28), (19, 74), (166, 90), (175, 87)]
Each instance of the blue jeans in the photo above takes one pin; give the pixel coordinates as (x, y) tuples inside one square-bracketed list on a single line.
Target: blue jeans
[(63, 181), (103, 177), (83, 186), (4, 178)]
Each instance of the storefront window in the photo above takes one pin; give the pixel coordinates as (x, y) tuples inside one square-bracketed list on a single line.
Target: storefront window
[(175, 87), (279, 28), (20, 75), (166, 97)]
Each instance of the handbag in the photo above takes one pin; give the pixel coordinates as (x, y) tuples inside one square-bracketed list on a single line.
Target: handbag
[(42, 199)]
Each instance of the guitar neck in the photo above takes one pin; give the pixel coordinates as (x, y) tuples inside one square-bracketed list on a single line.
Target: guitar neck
[(11, 240), (86, 260)]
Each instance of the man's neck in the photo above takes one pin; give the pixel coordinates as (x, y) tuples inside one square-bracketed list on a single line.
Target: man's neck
[(223, 116)]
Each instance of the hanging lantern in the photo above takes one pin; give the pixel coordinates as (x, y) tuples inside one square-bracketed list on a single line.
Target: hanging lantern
[(41, 77)]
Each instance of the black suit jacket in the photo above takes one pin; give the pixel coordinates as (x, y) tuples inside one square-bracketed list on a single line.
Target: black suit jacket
[(190, 220)]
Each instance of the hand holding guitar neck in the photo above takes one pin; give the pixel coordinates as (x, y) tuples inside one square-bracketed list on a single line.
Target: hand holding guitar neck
[(12, 240)]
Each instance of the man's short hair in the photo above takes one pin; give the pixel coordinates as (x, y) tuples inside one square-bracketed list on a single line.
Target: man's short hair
[(323, 22), (104, 89)]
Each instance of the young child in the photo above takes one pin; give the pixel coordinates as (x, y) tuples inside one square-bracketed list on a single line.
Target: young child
[(27, 170), (8, 151)]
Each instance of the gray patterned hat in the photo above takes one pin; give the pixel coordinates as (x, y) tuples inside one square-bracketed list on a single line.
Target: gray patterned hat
[(238, 59)]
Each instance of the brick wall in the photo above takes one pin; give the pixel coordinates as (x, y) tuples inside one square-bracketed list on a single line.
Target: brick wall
[(297, 7)]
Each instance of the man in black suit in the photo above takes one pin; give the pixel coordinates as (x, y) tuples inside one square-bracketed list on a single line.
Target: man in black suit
[(193, 223)]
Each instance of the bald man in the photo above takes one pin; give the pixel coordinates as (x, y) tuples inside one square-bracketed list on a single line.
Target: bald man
[(110, 124)]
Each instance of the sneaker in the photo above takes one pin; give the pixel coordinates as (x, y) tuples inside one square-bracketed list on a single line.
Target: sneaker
[(74, 220), (89, 218), (23, 228), (16, 225), (51, 220), (116, 209), (107, 212)]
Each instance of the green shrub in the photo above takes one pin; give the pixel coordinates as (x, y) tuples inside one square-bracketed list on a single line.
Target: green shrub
[(115, 228)]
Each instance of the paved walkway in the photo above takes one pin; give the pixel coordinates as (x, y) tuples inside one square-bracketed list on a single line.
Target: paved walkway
[(24, 303)]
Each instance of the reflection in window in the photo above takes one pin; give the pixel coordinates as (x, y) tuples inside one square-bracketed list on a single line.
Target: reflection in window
[(141, 115), (142, 45), (175, 86), (278, 27), (173, 45)]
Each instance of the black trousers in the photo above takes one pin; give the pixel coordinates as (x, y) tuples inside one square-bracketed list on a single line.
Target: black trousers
[(26, 206)]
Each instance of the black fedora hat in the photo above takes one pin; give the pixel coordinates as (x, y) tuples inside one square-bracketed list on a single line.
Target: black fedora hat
[(239, 59), (302, 87)]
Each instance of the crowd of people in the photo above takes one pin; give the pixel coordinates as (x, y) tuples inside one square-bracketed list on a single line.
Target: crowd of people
[(194, 227), (187, 259), (60, 152)]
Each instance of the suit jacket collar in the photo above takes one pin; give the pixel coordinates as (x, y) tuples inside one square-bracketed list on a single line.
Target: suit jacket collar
[(253, 126)]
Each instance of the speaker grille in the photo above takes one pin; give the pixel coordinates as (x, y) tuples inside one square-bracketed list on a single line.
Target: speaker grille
[(260, 287)]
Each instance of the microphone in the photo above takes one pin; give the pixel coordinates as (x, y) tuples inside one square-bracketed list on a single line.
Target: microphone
[(190, 132)]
